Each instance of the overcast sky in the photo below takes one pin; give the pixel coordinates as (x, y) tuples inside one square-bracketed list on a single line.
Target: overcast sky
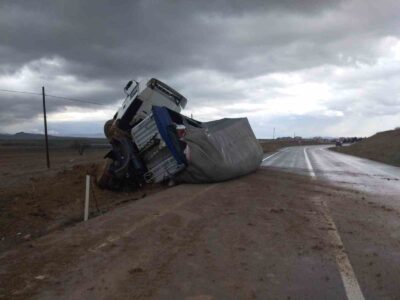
[(316, 68)]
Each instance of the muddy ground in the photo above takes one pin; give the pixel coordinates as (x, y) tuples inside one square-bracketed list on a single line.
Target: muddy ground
[(262, 236), (20, 164), (47, 203), (35, 201)]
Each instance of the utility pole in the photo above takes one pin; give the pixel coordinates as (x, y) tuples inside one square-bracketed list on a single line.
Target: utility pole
[(273, 134), (45, 129)]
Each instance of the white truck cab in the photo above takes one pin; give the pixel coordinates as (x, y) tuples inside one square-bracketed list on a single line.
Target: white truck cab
[(140, 98), (138, 151)]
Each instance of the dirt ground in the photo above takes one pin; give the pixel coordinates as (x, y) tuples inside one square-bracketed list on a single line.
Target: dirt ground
[(19, 164), (261, 236), (35, 201)]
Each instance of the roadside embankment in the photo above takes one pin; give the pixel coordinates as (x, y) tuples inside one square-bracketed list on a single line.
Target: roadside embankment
[(383, 147), (269, 146)]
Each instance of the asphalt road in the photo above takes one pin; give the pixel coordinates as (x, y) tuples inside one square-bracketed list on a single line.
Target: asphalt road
[(367, 228), (337, 168)]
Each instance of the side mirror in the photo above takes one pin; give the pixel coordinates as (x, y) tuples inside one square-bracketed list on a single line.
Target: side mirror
[(128, 85)]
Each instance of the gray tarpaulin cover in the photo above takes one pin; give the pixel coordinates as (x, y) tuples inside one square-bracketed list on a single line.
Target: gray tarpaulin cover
[(221, 150)]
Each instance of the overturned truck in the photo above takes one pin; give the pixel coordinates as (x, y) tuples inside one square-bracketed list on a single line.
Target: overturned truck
[(152, 142)]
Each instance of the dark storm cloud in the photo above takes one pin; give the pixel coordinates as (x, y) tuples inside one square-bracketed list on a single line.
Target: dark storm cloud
[(103, 38), (99, 45)]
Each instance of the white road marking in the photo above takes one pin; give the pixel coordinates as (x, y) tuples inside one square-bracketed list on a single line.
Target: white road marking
[(375, 165), (265, 158), (349, 279), (309, 166)]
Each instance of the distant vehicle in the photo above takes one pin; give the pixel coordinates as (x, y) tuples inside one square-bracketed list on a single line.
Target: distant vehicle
[(339, 143)]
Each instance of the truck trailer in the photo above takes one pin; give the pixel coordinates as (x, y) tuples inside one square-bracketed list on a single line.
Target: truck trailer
[(153, 142)]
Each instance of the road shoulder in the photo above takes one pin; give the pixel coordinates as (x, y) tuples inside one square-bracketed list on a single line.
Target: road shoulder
[(259, 236)]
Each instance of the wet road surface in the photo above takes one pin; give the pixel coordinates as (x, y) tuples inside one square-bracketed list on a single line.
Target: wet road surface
[(368, 228), (337, 168)]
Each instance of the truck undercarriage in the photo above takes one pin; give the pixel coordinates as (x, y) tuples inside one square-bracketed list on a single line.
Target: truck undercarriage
[(152, 142)]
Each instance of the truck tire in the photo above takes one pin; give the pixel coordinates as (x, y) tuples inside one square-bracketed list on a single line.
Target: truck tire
[(107, 127)]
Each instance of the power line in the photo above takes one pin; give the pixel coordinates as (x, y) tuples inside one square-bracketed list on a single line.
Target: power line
[(20, 92), (53, 96), (76, 100)]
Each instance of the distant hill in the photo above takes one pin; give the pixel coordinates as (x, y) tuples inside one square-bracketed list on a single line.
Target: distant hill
[(383, 147), (36, 141), (23, 136)]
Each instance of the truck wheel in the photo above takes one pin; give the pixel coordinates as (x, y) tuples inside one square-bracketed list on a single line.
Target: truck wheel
[(107, 127)]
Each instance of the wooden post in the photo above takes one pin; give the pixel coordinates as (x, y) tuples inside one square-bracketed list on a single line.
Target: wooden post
[(86, 214), (45, 129)]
